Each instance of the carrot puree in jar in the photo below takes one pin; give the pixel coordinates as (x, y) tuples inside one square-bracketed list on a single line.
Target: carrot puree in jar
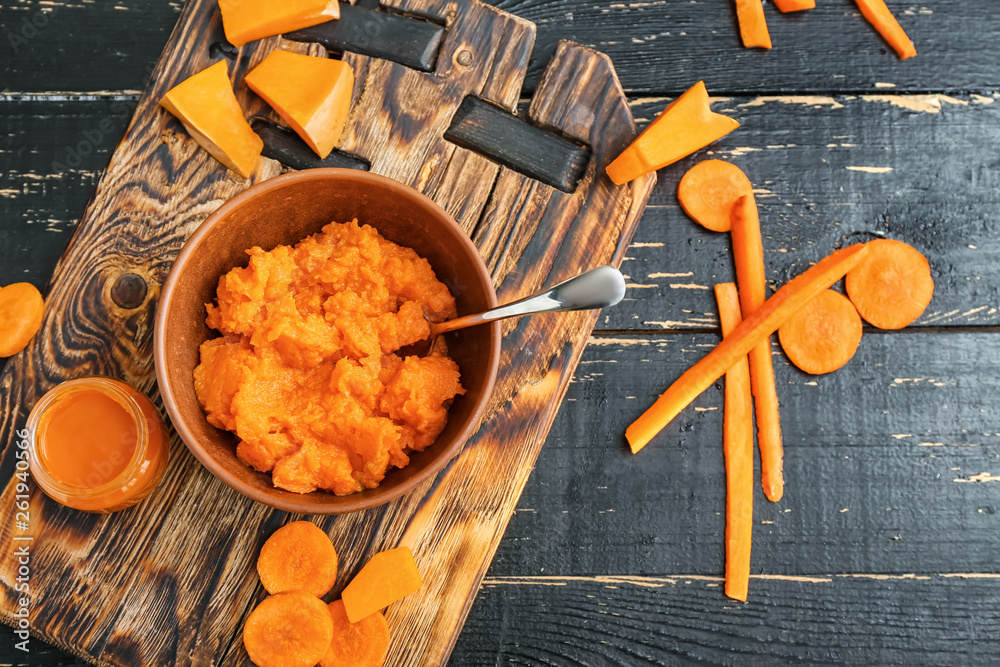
[(306, 373), (96, 444)]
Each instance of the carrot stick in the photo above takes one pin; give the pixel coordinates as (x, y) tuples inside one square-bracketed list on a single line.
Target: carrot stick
[(748, 253), (879, 16), (824, 335), (762, 323), (753, 26), (387, 577), (893, 287), (708, 191), (794, 5), (737, 443)]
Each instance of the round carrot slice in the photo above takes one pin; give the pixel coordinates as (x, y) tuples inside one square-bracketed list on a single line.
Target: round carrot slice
[(708, 191), (21, 309), (298, 557), (823, 335), (892, 287), (361, 644), (292, 629)]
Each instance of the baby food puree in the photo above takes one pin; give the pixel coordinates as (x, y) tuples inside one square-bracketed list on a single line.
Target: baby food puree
[(306, 373)]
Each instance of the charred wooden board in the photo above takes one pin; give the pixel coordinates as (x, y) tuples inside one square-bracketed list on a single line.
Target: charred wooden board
[(660, 47), (176, 562)]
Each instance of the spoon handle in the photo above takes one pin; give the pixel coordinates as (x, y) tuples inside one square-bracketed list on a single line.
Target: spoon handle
[(596, 288)]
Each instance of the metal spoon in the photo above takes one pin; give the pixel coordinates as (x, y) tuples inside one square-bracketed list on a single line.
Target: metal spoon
[(596, 288)]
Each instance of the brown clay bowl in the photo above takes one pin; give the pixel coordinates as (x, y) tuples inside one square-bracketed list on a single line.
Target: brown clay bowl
[(285, 210)]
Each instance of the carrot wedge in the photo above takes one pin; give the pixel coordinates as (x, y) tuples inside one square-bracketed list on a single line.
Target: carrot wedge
[(794, 5), (686, 125), (762, 323), (753, 26), (748, 253), (879, 16), (737, 444)]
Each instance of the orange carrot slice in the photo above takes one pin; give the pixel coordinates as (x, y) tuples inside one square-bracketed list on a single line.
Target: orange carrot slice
[(708, 191), (764, 321), (387, 577), (753, 26), (794, 5), (246, 20), (312, 94), (748, 253), (893, 287), (737, 444), (21, 308), (824, 335), (879, 16), (685, 126), (207, 107), (361, 644), (292, 629), (298, 556)]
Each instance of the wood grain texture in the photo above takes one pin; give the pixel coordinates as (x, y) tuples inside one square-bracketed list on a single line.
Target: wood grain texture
[(892, 438), (829, 619), (830, 171), (143, 568), (660, 46)]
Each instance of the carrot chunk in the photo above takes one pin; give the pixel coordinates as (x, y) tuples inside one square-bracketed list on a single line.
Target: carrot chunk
[(685, 126), (292, 629), (361, 644), (794, 5), (748, 253), (753, 26), (312, 94), (387, 577), (737, 444), (207, 107), (879, 16), (708, 191), (762, 323), (893, 287), (21, 308), (246, 20), (824, 335), (298, 556)]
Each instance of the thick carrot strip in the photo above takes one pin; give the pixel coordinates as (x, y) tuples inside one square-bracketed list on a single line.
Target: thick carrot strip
[(361, 644), (748, 253), (762, 323), (21, 309), (753, 26), (687, 124), (879, 16), (291, 629), (824, 335), (737, 444), (298, 556), (708, 191), (893, 287), (387, 577), (794, 5)]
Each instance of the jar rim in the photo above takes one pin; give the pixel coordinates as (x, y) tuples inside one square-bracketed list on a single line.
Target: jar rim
[(109, 386)]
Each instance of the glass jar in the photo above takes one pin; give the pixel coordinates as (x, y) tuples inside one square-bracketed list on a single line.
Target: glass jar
[(96, 444)]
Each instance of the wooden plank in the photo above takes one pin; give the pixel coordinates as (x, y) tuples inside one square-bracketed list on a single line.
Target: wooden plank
[(831, 171), (675, 619), (881, 459), (658, 46)]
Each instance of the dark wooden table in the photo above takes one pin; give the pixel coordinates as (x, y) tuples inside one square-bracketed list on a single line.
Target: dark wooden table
[(886, 547)]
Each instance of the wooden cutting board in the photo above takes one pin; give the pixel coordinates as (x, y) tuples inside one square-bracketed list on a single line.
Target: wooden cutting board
[(169, 581)]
